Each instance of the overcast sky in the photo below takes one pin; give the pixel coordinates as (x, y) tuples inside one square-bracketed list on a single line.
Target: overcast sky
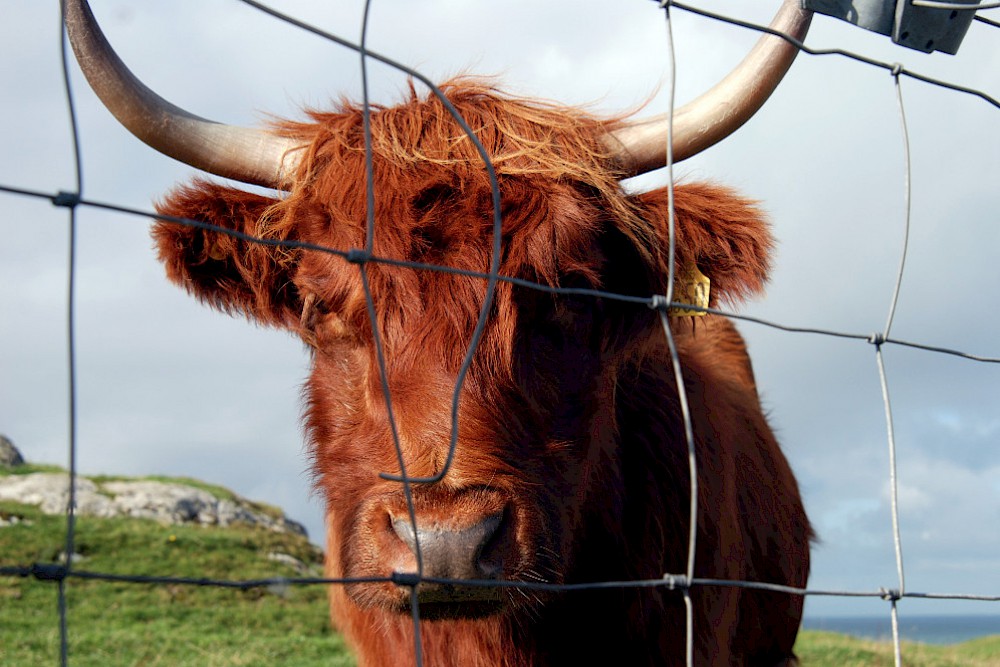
[(166, 386)]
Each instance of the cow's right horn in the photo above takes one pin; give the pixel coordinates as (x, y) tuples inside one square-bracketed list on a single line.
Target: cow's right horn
[(641, 145), (243, 154)]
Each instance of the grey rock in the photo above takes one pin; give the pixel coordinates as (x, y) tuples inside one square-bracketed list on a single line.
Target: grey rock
[(50, 492), (290, 561), (9, 454), (162, 501), (12, 520), (166, 502)]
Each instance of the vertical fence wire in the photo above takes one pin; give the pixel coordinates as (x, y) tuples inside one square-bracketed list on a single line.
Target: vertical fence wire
[(71, 388), (675, 362), (661, 303), (883, 381), (370, 215)]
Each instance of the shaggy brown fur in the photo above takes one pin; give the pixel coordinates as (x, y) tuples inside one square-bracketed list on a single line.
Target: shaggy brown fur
[(569, 427)]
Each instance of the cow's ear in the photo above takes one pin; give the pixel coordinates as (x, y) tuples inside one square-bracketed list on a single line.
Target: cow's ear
[(723, 235), (231, 274)]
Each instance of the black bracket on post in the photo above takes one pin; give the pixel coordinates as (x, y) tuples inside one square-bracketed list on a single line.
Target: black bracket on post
[(909, 24)]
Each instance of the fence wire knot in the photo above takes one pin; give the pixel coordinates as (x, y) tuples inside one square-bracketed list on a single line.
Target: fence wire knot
[(897, 69), (49, 571), (877, 339), (358, 256), (676, 582), (890, 594), (659, 302), (67, 199), (410, 579)]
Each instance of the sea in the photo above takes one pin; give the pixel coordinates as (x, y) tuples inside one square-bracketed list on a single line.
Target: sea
[(926, 629)]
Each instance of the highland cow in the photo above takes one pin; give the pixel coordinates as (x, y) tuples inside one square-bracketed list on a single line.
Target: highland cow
[(561, 458)]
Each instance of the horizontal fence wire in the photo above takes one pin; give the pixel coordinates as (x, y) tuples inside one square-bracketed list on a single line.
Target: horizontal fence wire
[(682, 582)]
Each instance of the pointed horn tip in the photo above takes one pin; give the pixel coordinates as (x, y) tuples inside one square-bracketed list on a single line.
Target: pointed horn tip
[(640, 146), (248, 155)]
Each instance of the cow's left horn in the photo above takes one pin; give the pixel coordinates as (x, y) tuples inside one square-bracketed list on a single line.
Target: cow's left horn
[(243, 154), (640, 146)]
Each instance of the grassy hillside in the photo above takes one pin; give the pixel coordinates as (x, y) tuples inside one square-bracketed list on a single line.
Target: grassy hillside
[(117, 624)]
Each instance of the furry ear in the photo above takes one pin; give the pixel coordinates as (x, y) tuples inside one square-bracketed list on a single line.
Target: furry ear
[(724, 235), (228, 273)]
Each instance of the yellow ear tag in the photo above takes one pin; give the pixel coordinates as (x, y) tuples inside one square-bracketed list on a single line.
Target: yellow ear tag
[(693, 288)]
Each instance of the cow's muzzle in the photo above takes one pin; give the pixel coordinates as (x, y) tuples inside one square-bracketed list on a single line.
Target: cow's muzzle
[(455, 553)]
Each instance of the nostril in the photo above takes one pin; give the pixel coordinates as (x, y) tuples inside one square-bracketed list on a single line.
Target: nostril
[(489, 561), (482, 533)]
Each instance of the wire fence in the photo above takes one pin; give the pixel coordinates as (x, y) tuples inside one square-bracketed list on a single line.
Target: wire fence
[(684, 582)]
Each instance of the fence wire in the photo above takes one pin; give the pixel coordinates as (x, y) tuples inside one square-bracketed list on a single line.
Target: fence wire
[(60, 573)]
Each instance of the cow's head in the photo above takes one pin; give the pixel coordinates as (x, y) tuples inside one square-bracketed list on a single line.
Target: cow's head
[(533, 424)]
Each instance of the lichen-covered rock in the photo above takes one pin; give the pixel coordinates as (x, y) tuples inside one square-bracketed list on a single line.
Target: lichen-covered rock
[(167, 502), (50, 492)]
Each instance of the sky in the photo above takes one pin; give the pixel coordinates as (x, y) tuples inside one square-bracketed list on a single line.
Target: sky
[(166, 386)]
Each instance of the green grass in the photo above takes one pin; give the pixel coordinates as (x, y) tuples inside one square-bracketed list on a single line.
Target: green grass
[(28, 468), (118, 625), (829, 649)]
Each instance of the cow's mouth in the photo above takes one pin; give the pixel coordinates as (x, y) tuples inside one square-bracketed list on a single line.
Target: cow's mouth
[(468, 609), (440, 600)]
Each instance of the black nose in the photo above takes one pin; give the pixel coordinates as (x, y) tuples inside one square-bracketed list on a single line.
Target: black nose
[(454, 553)]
